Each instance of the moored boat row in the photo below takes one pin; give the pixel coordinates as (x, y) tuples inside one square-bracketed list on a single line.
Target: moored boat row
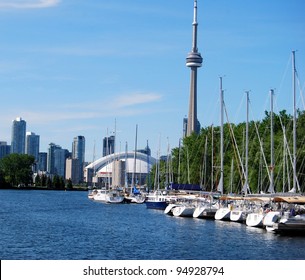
[(278, 214), (284, 214)]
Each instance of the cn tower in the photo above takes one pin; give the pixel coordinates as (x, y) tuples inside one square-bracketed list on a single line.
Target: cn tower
[(193, 60)]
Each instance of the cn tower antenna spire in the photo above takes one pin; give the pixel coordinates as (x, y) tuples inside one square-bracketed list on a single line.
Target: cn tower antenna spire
[(193, 60), (195, 24)]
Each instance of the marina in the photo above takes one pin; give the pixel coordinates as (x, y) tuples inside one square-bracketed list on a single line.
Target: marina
[(282, 213)]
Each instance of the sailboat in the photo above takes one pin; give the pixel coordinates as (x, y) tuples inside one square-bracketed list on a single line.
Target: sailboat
[(206, 209), (289, 222), (257, 215), (134, 195), (223, 212), (239, 214), (109, 194), (159, 199)]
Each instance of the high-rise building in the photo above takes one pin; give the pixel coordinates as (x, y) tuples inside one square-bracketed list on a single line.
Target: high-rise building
[(108, 145), (32, 145), (4, 149), (78, 152), (51, 158), (193, 60), (60, 156), (42, 161), (72, 170), (18, 136)]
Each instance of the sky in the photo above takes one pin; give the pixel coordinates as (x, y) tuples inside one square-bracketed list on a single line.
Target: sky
[(97, 67)]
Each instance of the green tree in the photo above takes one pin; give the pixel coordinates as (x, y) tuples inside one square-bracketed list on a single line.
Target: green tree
[(69, 184), (3, 183), (17, 169), (49, 183), (56, 181), (38, 181), (43, 180)]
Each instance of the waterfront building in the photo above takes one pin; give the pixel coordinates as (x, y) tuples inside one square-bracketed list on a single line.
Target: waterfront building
[(119, 169), (42, 162), (18, 136), (78, 152), (57, 160), (108, 145), (145, 151), (4, 149), (51, 157), (32, 145), (194, 61), (72, 170), (60, 156)]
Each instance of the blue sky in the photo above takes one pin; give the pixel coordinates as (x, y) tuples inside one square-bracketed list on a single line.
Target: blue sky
[(74, 67)]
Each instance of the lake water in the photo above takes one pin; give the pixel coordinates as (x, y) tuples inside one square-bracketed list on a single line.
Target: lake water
[(58, 225)]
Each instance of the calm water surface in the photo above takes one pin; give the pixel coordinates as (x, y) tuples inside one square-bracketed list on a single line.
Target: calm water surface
[(57, 225)]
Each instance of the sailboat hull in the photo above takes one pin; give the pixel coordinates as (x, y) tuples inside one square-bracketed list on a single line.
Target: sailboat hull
[(255, 220), (204, 212), (183, 211), (238, 216), (223, 214), (159, 205)]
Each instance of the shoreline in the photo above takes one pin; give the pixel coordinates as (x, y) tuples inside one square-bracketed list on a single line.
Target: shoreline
[(45, 188)]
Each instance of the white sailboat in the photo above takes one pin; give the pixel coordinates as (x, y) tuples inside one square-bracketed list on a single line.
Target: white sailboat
[(239, 214), (256, 216), (170, 207), (255, 219), (272, 219), (109, 194), (223, 213), (186, 207), (159, 199), (134, 195), (206, 209), (185, 210)]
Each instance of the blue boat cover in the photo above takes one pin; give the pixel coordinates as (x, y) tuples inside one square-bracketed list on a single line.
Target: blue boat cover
[(135, 190), (185, 187)]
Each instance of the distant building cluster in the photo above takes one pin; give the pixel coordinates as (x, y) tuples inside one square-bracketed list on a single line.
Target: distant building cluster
[(57, 161), (71, 165)]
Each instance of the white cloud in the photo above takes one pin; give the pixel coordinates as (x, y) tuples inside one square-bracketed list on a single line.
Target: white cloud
[(28, 4), (136, 98)]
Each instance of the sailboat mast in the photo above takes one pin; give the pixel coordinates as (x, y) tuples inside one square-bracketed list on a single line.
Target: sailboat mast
[(284, 159), (126, 178), (135, 158), (272, 143), (212, 159), (247, 142), (94, 176), (148, 175), (221, 138), (294, 121)]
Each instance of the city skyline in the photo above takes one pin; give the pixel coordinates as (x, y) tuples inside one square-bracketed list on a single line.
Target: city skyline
[(76, 68)]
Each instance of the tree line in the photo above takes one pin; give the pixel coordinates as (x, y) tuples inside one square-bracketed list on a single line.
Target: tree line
[(16, 171)]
